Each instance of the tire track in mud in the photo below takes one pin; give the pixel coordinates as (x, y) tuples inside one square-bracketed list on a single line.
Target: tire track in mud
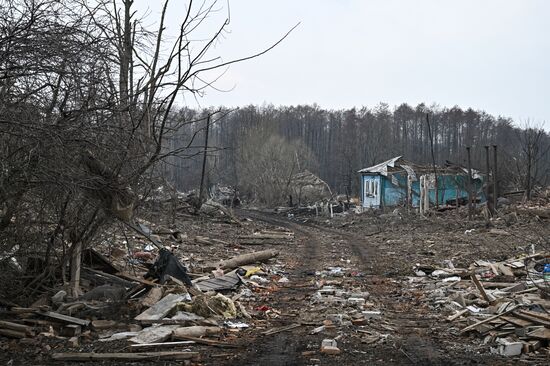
[(286, 348)]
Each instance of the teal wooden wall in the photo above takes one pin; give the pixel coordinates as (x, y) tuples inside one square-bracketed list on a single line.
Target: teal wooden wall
[(396, 195)]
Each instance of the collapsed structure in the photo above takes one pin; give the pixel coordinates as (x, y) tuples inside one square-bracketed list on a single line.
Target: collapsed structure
[(307, 188), (398, 182)]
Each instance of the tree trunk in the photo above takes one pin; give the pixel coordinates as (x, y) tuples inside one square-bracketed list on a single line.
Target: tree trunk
[(76, 257)]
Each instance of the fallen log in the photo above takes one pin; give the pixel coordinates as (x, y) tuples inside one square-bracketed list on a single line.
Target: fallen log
[(194, 331), (91, 356), (12, 333), (244, 259), (17, 327)]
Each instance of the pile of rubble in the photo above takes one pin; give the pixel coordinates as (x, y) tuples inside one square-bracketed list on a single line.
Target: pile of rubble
[(506, 303), (341, 305), (157, 308)]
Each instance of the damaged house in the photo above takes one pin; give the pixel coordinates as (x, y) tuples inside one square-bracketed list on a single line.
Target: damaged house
[(397, 182)]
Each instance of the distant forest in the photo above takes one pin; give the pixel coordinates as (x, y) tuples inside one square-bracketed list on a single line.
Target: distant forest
[(257, 143)]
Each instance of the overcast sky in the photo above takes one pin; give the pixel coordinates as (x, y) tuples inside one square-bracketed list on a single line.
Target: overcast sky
[(492, 55)]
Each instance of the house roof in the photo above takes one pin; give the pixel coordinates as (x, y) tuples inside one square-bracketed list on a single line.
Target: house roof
[(398, 164), (381, 168)]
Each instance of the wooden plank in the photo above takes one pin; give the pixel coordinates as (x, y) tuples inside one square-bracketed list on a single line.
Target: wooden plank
[(161, 308), (282, 329), (457, 315), (517, 322), (90, 356), (99, 278), (161, 344), (541, 333), (470, 327), (481, 289), (209, 342), (154, 334), (541, 316), (136, 279), (502, 285), (64, 318), (225, 282), (528, 316)]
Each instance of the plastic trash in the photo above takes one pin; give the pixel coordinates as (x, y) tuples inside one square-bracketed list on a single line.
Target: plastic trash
[(546, 272)]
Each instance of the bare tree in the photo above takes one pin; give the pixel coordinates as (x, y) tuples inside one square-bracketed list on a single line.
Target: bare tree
[(267, 163), (87, 105), (534, 147)]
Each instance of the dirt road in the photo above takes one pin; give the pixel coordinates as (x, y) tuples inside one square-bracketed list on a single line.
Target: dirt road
[(405, 334)]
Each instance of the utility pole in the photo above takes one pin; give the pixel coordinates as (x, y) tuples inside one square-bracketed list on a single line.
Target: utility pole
[(470, 207), (488, 199), (201, 190), (433, 162), (495, 178)]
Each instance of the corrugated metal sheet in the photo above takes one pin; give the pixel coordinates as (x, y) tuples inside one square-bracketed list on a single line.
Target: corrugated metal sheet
[(381, 168)]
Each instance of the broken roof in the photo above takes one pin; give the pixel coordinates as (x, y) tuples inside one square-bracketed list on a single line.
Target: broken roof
[(397, 164), (381, 168)]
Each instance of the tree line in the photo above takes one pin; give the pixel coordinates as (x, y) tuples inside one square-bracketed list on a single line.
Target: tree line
[(335, 144)]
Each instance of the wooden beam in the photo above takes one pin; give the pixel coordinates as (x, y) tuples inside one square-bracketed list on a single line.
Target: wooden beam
[(64, 318), (12, 333), (15, 326), (209, 342), (528, 315), (479, 286), (470, 327), (91, 356), (162, 344)]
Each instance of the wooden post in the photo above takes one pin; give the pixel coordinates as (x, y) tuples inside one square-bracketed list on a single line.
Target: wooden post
[(424, 194), (433, 162), (409, 192), (427, 194), (495, 179), (469, 180), (421, 203), (456, 195)]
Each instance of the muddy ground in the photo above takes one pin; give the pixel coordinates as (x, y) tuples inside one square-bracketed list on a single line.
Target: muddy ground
[(367, 253)]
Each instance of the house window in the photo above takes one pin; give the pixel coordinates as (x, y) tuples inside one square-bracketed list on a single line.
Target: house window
[(371, 188)]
